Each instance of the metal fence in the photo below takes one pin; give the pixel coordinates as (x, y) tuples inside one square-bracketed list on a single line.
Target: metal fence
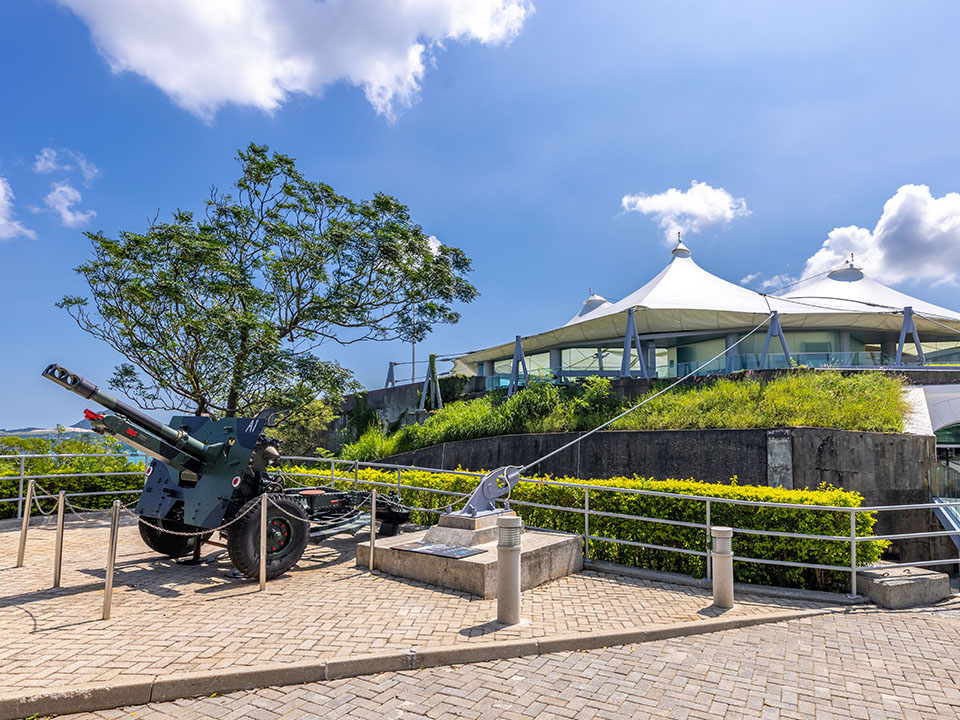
[(23, 476), (346, 470), (350, 470)]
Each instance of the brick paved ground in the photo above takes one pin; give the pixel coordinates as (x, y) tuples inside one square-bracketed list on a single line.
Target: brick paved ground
[(862, 663), (169, 618)]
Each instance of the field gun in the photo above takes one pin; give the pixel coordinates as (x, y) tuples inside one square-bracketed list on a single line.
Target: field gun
[(206, 473)]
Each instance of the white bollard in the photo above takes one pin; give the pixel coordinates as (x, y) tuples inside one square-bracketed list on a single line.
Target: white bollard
[(508, 569), (722, 567)]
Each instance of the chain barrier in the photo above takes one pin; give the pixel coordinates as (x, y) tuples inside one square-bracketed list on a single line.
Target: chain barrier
[(179, 533), (36, 500), (354, 512), (100, 512)]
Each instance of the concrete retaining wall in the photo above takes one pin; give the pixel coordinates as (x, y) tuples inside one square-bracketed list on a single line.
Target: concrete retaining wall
[(886, 468)]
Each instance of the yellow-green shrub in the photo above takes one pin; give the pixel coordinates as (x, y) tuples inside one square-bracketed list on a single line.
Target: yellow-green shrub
[(794, 520)]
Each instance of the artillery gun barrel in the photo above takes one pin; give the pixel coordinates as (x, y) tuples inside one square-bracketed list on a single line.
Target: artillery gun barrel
[(86, 389)]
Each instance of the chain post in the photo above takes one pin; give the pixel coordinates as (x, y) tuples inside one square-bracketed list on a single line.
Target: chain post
[(23, 471), (263, 541), (58, 546), (586, 524), (111, 558), (709, 546), (853, 553), (25, 523), (373, 524)]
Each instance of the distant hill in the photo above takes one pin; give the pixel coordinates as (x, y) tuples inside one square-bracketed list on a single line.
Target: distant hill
[(46, 433)]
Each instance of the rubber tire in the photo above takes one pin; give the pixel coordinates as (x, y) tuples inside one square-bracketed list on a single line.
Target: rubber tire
[(173, 546), (243, 540)]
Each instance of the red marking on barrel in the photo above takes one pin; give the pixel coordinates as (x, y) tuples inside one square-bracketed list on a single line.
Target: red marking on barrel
[(131, 432), (236, 481)]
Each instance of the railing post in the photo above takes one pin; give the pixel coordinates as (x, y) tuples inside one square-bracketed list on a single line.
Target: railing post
[(399, 472), (373, 524), (263, 541), (586, 524), (58, 545), (24, 524), (709, 545), (853, 553), (23, 468), (333, 464), (111, 558), (356, 474), (723, 567)]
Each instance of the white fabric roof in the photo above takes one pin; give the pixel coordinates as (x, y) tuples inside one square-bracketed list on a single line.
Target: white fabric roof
[(683, 297), (848, 289), (592, 303), (683, 284)]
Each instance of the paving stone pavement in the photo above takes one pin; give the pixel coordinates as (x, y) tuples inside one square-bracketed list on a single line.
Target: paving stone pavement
[(171, 618), (858, 663)]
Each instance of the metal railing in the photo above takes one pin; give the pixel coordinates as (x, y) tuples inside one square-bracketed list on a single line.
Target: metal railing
[(349, 471), (710, 503), (23, 476)]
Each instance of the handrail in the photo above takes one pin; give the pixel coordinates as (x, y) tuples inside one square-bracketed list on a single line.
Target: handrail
[(338, 472)]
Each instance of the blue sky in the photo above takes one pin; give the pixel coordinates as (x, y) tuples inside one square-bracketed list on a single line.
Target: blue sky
[(516, 138)]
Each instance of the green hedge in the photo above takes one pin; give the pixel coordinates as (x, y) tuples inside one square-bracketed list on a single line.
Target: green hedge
[(794, 520), (65, 470)]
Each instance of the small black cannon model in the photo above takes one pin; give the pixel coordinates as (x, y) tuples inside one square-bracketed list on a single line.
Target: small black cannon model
[(207, 473)]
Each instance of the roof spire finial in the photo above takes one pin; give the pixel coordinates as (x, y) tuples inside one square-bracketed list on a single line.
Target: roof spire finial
[(851, 259), (680, 250)]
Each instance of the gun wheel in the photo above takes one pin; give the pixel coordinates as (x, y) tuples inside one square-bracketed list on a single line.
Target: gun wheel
[(174, 546), (286, 537)]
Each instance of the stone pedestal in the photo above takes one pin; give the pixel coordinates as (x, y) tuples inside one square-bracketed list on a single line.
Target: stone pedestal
[(544, 557), (899, 588), (465, 531)]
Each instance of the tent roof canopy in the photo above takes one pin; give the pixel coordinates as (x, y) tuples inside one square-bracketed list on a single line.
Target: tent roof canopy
[(685, 298)]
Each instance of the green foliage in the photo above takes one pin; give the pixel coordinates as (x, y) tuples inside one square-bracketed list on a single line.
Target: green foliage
[(794, 520), (303, 431), (361, 418), (65, 469), (861, 401), (221, 314)]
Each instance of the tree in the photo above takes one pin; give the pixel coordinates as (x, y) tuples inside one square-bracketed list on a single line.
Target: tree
[(223, 314)]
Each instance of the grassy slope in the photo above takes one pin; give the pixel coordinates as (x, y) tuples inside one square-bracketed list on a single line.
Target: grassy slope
[(861, 401)]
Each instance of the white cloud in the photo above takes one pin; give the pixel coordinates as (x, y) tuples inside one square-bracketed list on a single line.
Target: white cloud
[(916, 239), (46, 162), (688, 211), (9, 227), (434, 244), (50, 160), (257, 53), (61, 199)]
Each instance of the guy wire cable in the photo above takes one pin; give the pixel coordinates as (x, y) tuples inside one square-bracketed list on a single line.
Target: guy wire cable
[(644, 402)]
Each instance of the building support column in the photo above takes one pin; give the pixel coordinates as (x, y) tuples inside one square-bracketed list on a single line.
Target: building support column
[(774, 329), (629, 338), (729, 342), (556, 363), (518, 362), (909, 326)]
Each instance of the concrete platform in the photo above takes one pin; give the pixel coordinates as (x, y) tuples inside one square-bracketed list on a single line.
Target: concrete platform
[(899, 588), (544, 557)]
